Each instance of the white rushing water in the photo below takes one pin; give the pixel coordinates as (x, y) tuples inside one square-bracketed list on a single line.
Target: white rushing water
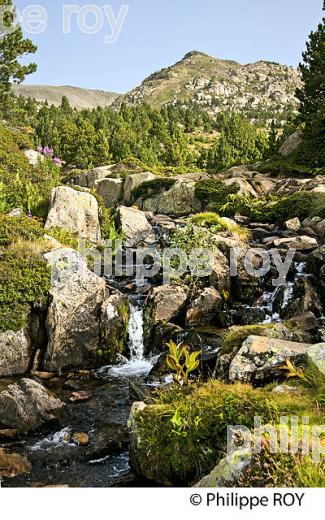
[(269, 298), (137, 365)]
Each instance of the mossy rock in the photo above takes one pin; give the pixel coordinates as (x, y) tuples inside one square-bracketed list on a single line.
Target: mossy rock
[(183, 435)]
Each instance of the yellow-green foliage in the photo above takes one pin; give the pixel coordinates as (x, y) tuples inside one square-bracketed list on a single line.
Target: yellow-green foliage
[(19, 228), (215, 224), (235, 336), (183, 435), (25, 279), (12, 159), (182, 362), (66, 237), (22, 185)]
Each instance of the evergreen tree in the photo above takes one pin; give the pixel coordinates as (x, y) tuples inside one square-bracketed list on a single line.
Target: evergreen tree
[(312, 97), (273, 139), (12, 47)]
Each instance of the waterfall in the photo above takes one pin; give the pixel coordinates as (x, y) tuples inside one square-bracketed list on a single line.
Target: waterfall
[(136, 333), (137, 365)]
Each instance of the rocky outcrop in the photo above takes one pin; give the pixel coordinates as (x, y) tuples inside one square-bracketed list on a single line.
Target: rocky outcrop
[(13, 464), (27, 405), (134, 181), (164, 307), (135, 227), (205, 308), (260, 359), (15, 353), (74, 210), (115, 315), (291, 144), (165, 303), (304, 299), (177, 201), (73, 321), (111, 190), (220, 272), (89, 179)]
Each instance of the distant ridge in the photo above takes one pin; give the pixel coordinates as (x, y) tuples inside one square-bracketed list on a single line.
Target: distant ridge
[(79, 98), (263, 89)]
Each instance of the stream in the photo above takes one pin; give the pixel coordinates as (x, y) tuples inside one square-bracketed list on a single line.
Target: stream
[(56, 459), (103, 461)]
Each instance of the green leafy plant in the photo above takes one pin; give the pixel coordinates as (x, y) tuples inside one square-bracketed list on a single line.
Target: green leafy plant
[(291, 370), (182, 362)]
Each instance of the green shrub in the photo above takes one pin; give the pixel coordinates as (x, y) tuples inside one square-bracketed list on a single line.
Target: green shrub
[(66, 237), (214, 193), (15, 228), (153, 187), (25, 279), (278, 165), (215, 224), (12, 158)]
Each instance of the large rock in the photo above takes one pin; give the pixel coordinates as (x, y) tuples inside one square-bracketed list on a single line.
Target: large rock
[(316, 356), (15, 353), (304, 300), (74, 210), (260, 359), (135, 227), (13, 464), (229, 470), (111, 190), (300, 243), (74, 313), (135, 181), (220, 272), (89, 179), (165, 303), (115, 313), (178, 201), (205, 308), (27, 405), (291, 144)]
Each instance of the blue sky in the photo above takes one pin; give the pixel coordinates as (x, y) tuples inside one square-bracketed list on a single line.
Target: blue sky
[(156, 33)]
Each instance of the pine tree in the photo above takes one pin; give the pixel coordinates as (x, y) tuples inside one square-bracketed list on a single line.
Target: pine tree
[(12, 47), (312, 97), (273, 139)]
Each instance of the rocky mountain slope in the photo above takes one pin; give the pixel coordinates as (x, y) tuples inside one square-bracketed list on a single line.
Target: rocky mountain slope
[(218, 85), (79, 98)]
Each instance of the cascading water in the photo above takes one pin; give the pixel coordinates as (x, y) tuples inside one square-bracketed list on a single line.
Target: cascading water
[(269, 298), (137, 365)]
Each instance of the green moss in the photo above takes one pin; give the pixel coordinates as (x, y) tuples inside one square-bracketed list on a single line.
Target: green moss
[(25, 279), (215, 224), (181, 455), (235, 337), (15, 228), (153, 187)]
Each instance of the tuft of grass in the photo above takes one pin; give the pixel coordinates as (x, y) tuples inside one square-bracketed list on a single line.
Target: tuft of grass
[(216, 223)]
